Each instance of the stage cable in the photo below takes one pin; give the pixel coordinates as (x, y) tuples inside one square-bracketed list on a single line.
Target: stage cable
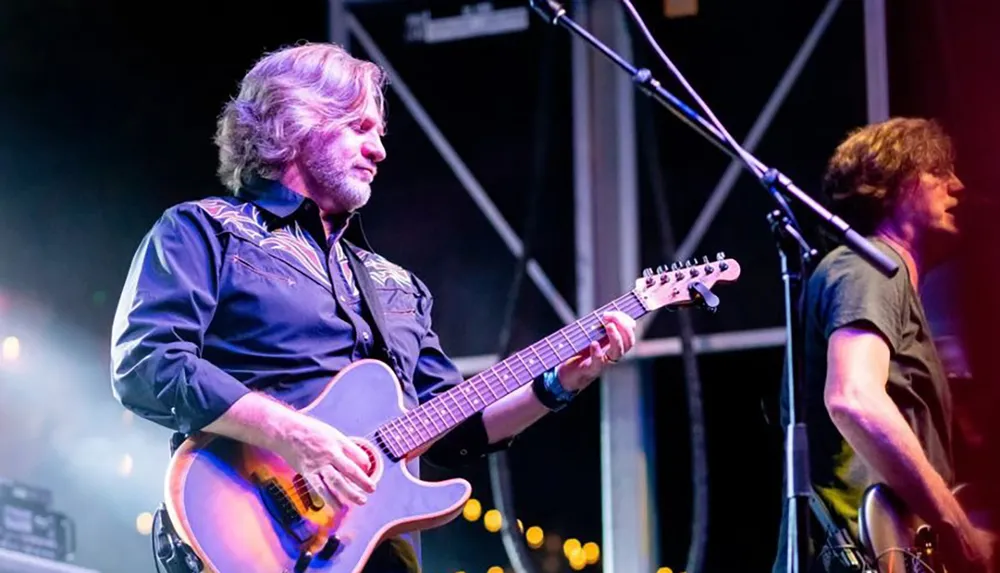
[(649, 143)]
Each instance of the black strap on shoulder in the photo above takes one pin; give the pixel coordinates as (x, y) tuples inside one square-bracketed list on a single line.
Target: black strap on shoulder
[(373, 304)]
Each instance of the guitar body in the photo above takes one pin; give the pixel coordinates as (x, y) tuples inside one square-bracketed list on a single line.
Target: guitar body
[(242, 508), (898, 541)]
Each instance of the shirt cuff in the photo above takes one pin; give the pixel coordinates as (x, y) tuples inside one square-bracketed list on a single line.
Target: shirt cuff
[(202, 406), (467, 442)]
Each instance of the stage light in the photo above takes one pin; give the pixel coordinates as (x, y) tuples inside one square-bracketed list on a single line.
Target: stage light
[(592, 552), (680, 8), (578, 560), (571, 547), (11, 349), (664, 570), (535, 537), (495, 569), (473, 509), (493, 521), (125, 466), (144, 523)]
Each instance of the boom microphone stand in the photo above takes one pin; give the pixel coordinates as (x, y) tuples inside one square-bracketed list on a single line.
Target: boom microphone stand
[(796, 257)]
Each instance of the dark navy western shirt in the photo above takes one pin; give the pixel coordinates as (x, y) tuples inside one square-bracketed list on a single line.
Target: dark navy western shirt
[(229, 295)]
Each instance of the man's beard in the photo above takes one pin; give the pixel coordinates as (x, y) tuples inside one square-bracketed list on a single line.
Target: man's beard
[(346, 193)]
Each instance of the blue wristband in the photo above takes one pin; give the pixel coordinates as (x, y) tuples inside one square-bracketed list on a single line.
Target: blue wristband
[(550, 391)]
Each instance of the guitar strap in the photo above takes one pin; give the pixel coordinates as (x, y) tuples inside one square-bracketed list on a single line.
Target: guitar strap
[(839, 543), (374, 305)]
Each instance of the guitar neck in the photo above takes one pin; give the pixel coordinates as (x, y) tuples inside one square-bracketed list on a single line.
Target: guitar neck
[(426, 423)]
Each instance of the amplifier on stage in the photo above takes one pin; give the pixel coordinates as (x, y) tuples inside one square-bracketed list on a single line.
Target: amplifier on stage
[(29, 526), (22, 493)]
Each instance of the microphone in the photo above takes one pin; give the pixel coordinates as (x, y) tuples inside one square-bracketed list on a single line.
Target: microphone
[(551, 10)]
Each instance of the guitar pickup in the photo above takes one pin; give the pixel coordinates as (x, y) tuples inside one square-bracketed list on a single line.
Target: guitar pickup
[(282, 509)]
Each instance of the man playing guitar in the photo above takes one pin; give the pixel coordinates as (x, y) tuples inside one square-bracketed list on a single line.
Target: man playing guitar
[(878, 402), (238, 310)]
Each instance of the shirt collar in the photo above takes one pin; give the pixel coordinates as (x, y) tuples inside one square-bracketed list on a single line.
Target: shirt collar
[(281, 202), (273, 197)]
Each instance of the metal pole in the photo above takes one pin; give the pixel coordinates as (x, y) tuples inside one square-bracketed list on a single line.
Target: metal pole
[(606, 196)]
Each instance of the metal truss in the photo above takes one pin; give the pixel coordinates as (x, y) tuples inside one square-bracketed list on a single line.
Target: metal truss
[(343, 26), (607, 246)]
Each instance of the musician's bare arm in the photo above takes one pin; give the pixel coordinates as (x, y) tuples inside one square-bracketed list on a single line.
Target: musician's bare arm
[(860, 407)]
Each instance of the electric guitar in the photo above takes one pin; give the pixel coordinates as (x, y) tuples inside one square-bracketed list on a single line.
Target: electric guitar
[(242, 508), (895, 540)]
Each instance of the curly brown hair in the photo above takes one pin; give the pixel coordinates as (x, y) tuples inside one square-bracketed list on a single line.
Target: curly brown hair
[(866, 172)]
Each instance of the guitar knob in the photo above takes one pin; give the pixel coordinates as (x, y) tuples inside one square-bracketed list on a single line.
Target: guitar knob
[(331, 547), (303, 562)]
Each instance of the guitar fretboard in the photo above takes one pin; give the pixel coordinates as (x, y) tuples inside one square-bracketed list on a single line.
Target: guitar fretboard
[(432, 419)]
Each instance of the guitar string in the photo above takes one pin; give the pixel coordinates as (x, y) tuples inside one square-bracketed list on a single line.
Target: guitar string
[(631, 304)]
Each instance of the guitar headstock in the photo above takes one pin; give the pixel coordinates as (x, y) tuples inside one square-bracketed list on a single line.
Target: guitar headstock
[(685, 284)]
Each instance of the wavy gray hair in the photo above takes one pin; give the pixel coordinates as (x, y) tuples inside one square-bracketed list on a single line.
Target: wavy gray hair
[(286, 95)]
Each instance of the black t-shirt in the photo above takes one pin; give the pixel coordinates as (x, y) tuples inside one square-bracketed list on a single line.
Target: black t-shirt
[(845, 290)]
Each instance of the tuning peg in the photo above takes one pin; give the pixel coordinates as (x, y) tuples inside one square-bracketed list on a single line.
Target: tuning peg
[(720, 256), (673, 266), (704, 260), (687, 263), (647, 272)]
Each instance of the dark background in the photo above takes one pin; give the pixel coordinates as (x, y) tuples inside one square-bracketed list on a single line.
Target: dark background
[(107, 112)]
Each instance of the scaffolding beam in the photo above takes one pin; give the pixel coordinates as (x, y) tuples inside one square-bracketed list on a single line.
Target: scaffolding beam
[(876, 61), (658, 347), (462, 172), (607, 256)]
